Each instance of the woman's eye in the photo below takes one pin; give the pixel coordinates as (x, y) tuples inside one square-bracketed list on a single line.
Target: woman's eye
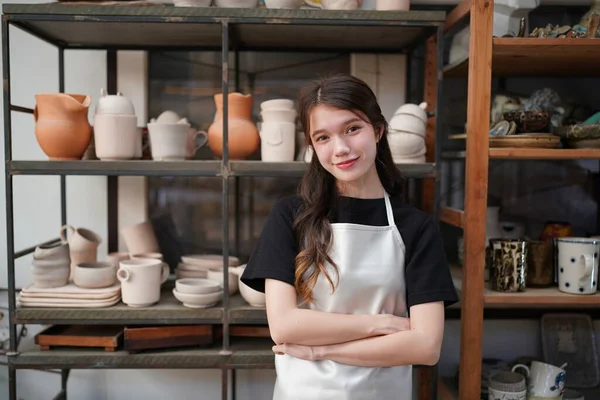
[(321, 138), (353, 129)]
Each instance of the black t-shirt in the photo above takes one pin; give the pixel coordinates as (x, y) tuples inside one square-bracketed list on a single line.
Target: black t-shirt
[(427, 275)]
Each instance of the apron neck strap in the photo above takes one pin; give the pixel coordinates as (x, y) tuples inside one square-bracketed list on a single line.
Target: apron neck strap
[(388, 209)]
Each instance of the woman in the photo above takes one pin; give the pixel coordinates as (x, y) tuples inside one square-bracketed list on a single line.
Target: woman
[(346, 262)]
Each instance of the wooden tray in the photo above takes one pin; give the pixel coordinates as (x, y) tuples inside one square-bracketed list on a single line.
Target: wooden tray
[(243, 331), (153, 337), (105, 336)]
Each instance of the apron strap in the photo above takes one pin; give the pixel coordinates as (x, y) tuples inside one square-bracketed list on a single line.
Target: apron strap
[(388, 209)]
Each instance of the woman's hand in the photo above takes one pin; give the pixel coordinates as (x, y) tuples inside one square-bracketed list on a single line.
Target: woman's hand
[(387, 324), (308, 353)]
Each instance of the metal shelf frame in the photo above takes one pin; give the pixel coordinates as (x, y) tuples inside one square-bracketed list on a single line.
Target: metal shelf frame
[(74, 26)]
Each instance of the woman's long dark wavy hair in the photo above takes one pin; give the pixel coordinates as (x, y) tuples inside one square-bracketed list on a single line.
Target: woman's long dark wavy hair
[(318, 188)]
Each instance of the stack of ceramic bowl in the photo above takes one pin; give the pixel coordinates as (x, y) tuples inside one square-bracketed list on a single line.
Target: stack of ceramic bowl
[(116, 136), (206, 266), (197, 293), (407, 133), (278, 130)]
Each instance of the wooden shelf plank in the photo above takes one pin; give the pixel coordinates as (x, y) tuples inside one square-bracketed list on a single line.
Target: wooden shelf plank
[(531, 298), (452, 216), (541, 154), (538, 57)]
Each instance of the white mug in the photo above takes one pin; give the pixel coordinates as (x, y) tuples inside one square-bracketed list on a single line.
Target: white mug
[(544, 379), (578, 264)]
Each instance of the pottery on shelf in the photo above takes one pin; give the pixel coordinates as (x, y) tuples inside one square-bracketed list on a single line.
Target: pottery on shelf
[(252, 297), (116, 136), (141, 280), (95, 275), (278, 130), (83, 244), (140, 238), (243, 138), (406, 133), (392, 5), (51, 265), (62, 129)]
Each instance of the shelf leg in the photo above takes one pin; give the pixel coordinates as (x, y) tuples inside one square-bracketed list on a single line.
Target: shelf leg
[(476, 188), (63, 178), (233, 384), (64, 379), (12, 383), (224, 384), (112, 181), (8, 181)]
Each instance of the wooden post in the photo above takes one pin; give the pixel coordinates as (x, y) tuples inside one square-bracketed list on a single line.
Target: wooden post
[(430, 84), (476, 187)]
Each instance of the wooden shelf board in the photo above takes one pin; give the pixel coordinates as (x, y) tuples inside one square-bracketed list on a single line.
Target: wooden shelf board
[(538, 57), (245, 353), (540, 153), (531, 298)]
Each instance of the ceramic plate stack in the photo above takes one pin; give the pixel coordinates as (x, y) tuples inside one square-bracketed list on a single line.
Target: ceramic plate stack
[(69, 296), (198, 265)]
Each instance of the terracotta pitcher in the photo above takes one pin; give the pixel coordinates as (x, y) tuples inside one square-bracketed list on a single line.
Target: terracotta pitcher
[(62, 128), (243, 139)]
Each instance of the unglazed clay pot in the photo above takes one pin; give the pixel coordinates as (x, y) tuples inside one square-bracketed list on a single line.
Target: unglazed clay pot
[(62, 128), (243, 139)]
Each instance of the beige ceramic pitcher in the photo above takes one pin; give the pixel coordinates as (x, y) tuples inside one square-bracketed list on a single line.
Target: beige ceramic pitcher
[(83, 244), (140, 281)]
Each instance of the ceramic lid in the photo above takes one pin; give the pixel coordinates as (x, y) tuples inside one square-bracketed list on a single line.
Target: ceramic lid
[(114, 104)]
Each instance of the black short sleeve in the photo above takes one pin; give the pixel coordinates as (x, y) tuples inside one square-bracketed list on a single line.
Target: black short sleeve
[(274, 255), (428, 276)]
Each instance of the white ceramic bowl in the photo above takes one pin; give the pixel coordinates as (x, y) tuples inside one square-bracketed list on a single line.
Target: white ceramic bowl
[(408, 123), (198, 300), (236, 3), (197, 286), (211, 261), (94, 275), (184, 274), (252, 297)]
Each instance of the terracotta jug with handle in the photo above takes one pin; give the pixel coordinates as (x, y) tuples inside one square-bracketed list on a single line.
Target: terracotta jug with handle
[(243, 139), (62, 128)]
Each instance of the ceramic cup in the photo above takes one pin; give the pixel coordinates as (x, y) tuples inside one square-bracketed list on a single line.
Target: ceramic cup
[(140, 238), (507, 386), (577, 264), (509, 265), (141, 280), (544, 380)]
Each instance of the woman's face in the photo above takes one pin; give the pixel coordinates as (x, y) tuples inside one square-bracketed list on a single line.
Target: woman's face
[(345, 144)]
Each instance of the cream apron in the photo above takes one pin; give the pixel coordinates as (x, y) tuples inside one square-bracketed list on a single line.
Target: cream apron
[(370, 261)]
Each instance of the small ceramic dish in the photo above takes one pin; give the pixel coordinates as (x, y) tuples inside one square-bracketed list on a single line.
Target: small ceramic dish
[(198, 300), (197, 286), (95, 275)]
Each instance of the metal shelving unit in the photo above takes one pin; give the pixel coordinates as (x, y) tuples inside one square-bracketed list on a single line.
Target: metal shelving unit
[(149, 27)]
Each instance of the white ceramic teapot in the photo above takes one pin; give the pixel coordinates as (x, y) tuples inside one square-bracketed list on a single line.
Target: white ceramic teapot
[(114, 104)]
